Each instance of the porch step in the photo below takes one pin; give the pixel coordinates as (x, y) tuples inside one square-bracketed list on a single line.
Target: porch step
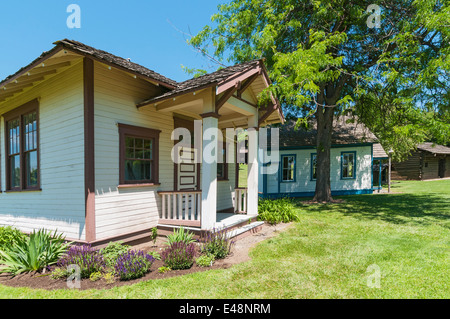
[(241, 232)]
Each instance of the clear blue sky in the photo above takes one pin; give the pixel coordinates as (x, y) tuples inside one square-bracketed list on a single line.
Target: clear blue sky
[(143, 30)]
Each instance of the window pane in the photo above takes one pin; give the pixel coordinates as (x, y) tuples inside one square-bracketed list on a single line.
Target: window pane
[(139, 154), (129, 153), (14, 136), (220, 170), (129, 142), (32, 169), (137, 170), (348, 162), (30, 131), (139, 143), (15, 171)]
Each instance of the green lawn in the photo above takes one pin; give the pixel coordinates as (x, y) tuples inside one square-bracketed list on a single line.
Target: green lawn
[(326, 255)]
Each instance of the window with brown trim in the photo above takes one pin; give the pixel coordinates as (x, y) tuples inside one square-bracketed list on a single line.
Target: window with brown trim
[(22, 148), (139, 155)]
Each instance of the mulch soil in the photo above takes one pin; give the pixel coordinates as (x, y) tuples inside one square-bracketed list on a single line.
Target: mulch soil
[(239, 254)]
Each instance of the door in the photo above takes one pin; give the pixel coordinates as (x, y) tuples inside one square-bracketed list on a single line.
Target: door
[(442, 167), (187, 180), (187, 169)]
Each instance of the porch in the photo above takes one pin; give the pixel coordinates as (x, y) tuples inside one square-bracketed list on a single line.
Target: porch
[(184, 208)]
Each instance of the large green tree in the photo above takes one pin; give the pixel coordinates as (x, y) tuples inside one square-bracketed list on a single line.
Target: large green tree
[(385, 61)]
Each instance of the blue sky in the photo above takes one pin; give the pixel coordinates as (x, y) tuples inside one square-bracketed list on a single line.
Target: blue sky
[(143, 30)]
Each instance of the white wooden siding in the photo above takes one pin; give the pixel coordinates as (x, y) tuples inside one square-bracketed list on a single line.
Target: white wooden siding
[(120, 211), (60, 204)]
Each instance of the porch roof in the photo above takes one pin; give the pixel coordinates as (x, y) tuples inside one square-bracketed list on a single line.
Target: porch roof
[(229, 85)]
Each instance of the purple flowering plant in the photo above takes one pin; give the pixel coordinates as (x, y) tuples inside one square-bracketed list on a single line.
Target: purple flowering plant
[(133, 264), (87, 258), (179, 255)]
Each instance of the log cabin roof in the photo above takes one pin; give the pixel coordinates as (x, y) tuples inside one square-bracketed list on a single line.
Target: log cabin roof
[(434, 148)]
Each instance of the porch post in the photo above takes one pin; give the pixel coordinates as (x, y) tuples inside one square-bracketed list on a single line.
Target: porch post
[(252, 174), (208, 167)]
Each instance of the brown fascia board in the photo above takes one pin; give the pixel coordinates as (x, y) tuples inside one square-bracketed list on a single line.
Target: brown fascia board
[(177, 94), (44, 56)]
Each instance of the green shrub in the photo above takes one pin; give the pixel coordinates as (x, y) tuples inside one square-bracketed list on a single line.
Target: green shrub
[(205, 260), (163, 269), (154, 235), (109, 278), (59, 273), (180, 236), (277, 211), (112, 251), (155, 255), (33, 253), (95, 276), (9, 236)]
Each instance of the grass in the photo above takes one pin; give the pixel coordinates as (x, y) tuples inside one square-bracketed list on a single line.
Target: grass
[(326, 255)]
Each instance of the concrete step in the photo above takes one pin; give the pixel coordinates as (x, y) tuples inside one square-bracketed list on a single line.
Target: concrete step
[(246, 230)]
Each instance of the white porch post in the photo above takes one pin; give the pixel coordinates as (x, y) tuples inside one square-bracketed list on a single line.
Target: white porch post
[(208, 167), (252, 175)]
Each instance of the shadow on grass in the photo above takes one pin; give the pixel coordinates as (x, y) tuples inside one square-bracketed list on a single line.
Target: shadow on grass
[(423, 209)]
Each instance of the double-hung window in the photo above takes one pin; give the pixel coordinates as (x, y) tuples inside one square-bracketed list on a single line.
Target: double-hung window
[(22, 148), (348, 165), (139, 159), (288, 168)]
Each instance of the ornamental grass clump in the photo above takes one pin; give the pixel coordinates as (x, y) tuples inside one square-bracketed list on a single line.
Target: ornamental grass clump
[(87, 258), (216, 243), (133, 264), (32, 253), (179, 255)]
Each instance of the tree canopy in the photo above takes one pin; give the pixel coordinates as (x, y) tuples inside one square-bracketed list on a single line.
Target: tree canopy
[(386, 61)]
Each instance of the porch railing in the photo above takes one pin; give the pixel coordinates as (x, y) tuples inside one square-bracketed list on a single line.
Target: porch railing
[(240, 202), (181, 207)]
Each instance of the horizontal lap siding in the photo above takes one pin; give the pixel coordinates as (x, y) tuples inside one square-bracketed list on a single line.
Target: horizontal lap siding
[(303, 182), (225, 189), (60, 204), (125, 210)]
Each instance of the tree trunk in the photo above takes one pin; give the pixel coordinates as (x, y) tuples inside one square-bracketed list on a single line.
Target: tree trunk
[(324, 119)]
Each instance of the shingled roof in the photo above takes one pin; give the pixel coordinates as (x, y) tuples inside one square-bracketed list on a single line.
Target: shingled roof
[(344, 132), (434, 148), (204, 81), (100, 55), (114, 59)]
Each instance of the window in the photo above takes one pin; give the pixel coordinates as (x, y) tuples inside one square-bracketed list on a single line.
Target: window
[(139, 155), (288, 168), (313, 166), (22, 148), (348, 165)]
